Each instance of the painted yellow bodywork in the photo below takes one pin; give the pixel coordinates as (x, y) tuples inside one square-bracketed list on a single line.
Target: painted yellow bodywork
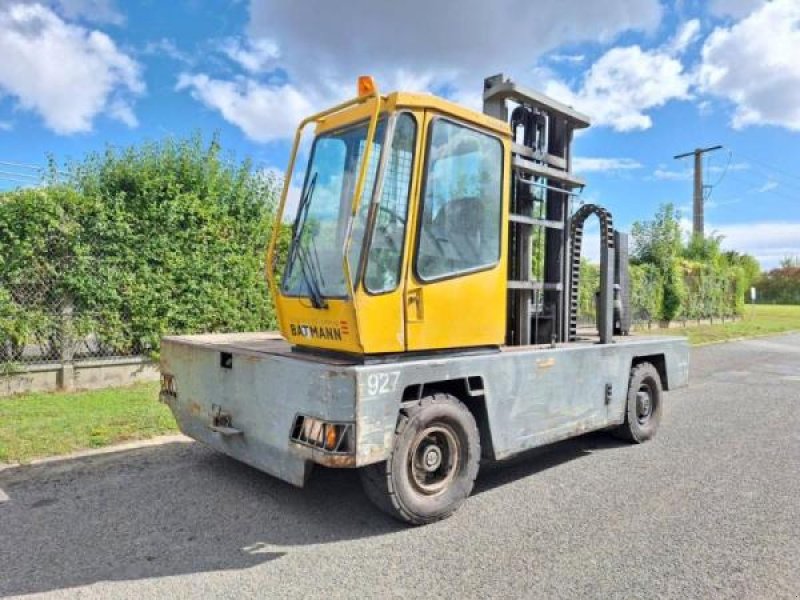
[(464, 311)]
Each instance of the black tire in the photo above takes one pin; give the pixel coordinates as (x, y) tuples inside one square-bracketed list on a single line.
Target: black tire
[(433, 463), (644, 405)]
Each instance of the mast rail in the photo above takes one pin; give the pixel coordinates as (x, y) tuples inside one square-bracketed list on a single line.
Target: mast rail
[(534, 183), (523, 220), (540, 170), (534, 285)]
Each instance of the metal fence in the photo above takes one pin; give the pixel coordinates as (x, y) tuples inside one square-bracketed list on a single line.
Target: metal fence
[(39, 325), (706, 299)]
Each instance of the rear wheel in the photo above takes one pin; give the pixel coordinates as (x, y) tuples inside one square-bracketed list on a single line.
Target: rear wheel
[(433, 464), (643, 410)]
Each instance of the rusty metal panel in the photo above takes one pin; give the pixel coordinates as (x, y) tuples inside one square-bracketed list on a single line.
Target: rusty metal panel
[(533, 395), (262, 393)]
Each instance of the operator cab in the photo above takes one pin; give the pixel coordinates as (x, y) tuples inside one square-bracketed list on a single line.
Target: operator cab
[(396, 240), (421, 225)]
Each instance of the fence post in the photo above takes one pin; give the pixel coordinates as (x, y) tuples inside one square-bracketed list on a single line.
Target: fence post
[(66, 376)]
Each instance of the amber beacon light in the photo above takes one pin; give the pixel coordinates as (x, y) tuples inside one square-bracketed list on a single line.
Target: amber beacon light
[(366, 85)]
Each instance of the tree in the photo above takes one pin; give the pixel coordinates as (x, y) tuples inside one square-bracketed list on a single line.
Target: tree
[(789, 262), (705, 249), (657, 242), (781, 285), (749, 265)]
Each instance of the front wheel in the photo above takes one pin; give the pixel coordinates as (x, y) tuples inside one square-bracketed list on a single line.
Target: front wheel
[(433, 464), (643, 409)]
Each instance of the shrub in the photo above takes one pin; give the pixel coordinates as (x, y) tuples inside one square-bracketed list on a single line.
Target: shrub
[(164, 238), (647, 292)]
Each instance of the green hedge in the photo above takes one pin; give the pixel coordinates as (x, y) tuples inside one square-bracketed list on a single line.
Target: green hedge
[(689, 291), (166, 237)]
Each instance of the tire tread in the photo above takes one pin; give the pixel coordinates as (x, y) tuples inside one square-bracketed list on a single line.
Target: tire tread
[(377, 479), (625, 431)]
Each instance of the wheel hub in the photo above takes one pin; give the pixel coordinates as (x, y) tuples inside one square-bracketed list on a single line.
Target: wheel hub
[(644, 405), (434, 459)]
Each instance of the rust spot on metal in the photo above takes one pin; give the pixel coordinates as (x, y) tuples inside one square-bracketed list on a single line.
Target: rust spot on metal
[(545, 363), (323, 458), (335, 460)]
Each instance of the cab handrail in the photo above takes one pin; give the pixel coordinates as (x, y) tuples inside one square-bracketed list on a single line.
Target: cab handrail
[(287, 178)]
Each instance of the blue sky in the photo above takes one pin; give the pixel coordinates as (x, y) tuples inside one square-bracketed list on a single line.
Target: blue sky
[(657, 79)]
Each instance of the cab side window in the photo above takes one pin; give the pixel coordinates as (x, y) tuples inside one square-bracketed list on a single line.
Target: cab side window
[(386, 249), (460, 215)]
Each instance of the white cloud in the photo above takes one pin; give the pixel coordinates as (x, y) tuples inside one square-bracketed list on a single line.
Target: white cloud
[(685, 37), (753, 63), (672, 174), (738, 166), (94, 11), (769, 242), (624, 84), (666, 174), (322, 48), (64, 72), (6, 126), (253, 56), (319, 37), (734, 8), (769, 185), (263, 112), (166, 47), (566, 58), (584, 164)]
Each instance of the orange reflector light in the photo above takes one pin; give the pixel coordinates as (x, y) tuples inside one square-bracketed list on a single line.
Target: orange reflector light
[(366, 85), (330, 437)]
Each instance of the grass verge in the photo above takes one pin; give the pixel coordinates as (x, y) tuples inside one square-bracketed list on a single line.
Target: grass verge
[(38, 425), (758, 320)]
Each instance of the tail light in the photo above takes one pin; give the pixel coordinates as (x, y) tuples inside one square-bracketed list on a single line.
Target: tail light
[(333, 438)]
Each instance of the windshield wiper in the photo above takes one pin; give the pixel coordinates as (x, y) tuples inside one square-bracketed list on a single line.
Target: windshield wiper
[(310, 275)]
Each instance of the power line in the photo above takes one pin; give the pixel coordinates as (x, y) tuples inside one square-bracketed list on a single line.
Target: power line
[(12, 174), (22, 181), (31, 167), (724, 171), (766, 165), (19, 165), (768, 178), (758, 189)]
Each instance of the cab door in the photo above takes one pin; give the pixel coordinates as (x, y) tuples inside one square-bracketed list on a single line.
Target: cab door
[(455, 292), (380, 295)]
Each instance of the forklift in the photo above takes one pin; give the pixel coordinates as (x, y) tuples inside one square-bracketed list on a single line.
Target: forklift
[(428, 307)]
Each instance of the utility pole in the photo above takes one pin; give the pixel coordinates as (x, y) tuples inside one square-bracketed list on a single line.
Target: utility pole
[(698, 218)]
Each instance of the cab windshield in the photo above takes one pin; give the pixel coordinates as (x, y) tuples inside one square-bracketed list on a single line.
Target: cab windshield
[(314, 266)]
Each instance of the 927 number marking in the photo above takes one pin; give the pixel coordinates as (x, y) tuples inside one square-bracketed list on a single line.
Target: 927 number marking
[(382, 383)]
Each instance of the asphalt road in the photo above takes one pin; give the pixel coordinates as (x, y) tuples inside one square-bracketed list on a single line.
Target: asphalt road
[(709, 509)]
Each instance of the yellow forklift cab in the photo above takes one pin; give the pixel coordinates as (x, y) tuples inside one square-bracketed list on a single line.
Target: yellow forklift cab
[(397, 240)]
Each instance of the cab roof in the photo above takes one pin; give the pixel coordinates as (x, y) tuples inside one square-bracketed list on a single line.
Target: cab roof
[(429, 101), (399, 100)]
